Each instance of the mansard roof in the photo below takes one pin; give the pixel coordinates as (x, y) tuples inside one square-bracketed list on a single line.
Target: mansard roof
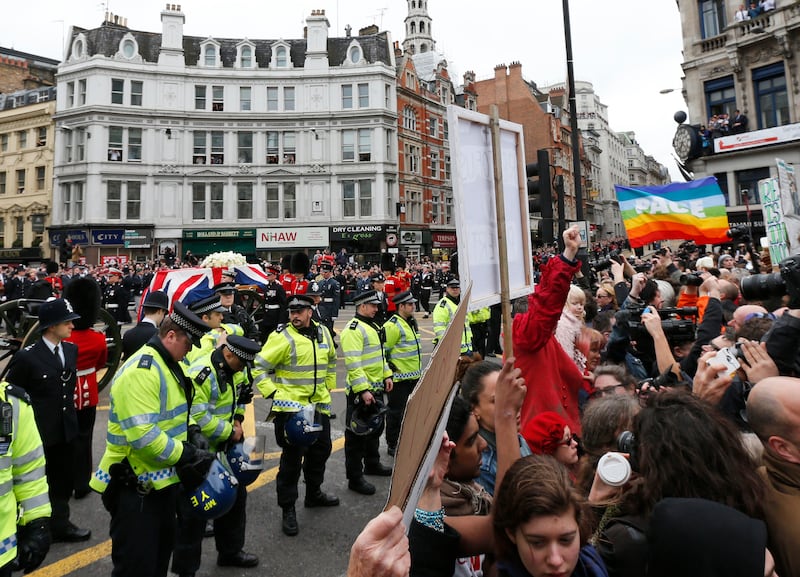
[(105, 40)]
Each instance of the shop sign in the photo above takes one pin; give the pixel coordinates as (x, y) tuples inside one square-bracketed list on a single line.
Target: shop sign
[(219, 234), (75, 236), (444, 239), (111, 237), (138, 238), (37, 222), (292, 237), (411, 237), (358, 232), (114, 260)]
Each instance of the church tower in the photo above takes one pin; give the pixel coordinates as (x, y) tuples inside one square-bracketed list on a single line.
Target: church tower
[(419, 37)]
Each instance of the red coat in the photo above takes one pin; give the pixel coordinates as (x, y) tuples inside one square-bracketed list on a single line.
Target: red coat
[(393, 286), (552, 378), (92, 356)]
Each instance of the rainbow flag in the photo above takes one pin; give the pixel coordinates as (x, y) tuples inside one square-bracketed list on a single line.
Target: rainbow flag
[(692, 210)]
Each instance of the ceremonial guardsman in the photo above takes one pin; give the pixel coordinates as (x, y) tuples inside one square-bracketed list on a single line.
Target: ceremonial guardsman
[(275, 303), (286, 277), (147, 454), (222, 388), (25, 506), (116, 298), (443, 314), (210, 310), (404, 355), (368, 376), (392, 283), (46, 370), (84, 295), (301, 266), (329, 292), (297, 369), (155, 307), (234, 313)]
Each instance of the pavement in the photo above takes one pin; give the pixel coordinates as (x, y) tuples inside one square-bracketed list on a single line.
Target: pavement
[(326, 534)]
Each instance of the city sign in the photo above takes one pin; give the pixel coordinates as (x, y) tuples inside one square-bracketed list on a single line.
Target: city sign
[(113, 237)]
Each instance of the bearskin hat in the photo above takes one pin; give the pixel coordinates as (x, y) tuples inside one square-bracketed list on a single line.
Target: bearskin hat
[(400, 260), (387, 262), (300, 263), (51, 267), (83, 293), (286, 262)]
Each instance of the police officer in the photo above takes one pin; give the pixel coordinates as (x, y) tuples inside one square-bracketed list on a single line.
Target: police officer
[(404, 356), (443, 314), (25, 525), (116, 297), (234, 313), (368, 376), (378, 283), (275, 303), (46, 370), (147, 453), (329, 291), (296, 368), (222, 388), (210, 310), (479, 326), (155, 307)]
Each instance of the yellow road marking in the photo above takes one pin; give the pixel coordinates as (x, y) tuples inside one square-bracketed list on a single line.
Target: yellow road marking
[(86, 557)]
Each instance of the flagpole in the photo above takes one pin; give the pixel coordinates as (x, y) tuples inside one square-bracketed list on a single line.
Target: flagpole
[(573, 117)]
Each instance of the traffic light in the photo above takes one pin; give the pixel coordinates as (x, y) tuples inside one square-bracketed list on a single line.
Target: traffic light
[(540, 192)]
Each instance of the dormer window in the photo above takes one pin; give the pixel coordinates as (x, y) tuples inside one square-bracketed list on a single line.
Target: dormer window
[(281, 55), (245, 52), (209, 54), (128, 48), (355, 54), (79, 47)]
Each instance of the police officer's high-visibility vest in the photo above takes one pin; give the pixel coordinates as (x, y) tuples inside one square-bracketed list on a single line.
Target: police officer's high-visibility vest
[(364, 357), (304, 368), (210, 341), (214, 403), (23, 484), (480, 315), (148, 419), (402, 349), (443, 314)]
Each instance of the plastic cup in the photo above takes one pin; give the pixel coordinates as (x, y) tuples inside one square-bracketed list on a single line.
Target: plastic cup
[(614, 469), (254, 447)]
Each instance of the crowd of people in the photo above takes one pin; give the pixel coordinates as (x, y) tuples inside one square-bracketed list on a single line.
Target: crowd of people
[(645, 423)]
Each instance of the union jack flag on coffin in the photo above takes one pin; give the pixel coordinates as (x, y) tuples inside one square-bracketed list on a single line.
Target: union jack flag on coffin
[(192, 284)]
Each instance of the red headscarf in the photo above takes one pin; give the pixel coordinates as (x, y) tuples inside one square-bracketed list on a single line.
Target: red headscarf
[(544, 433)]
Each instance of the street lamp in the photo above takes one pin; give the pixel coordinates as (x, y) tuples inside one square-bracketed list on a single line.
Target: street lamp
[(668, 90)]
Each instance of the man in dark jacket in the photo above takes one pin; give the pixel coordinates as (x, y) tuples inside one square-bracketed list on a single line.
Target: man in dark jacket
[(46, 370), (155, 307)]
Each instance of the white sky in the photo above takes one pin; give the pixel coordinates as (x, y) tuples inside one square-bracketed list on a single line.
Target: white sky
[(628, 49)]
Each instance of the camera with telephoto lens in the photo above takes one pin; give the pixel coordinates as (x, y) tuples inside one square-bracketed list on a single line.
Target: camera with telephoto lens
[(759, 287), (613, 257), (675, 329), (738, 233), (691, 279)]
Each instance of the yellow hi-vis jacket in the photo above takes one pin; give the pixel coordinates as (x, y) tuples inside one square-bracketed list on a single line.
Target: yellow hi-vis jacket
[(443, 314), (402, 349), (364, 357), (304, 369)]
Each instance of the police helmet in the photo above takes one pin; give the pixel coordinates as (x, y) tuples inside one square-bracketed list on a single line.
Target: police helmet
[(367, 419), (300, 429), (216, 495), (239, 461)]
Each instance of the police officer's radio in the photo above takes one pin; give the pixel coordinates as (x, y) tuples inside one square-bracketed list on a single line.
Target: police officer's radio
[(6, 426)]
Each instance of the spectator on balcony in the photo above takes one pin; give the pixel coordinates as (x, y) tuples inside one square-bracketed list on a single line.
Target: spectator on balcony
[(766, 5), (741, 14), (739, 123), (754, 11)]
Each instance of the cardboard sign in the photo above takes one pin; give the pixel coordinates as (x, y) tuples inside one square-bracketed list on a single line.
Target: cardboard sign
[(425, 418)]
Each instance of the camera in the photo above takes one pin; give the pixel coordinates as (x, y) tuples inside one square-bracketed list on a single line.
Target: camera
[(675, 329), (786, 282), (626, 443), (739, 233), (613, 256), (691, 279)]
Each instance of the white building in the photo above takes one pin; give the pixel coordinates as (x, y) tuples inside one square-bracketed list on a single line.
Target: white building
[(208, 144)]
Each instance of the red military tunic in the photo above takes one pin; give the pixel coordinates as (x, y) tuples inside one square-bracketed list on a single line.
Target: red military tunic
[(92, 356)]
